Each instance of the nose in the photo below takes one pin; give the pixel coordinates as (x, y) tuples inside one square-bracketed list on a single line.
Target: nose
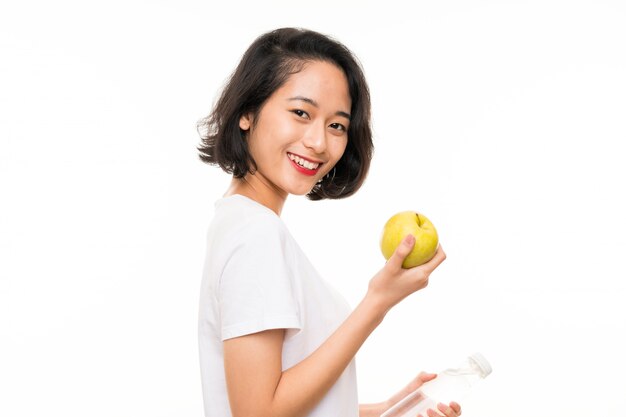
[(315, 138)]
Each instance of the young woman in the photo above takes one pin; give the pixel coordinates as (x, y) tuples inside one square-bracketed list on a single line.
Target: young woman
[(275, 338)]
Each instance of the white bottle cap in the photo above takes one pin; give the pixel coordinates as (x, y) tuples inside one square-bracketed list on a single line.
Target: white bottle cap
[(483, 364)]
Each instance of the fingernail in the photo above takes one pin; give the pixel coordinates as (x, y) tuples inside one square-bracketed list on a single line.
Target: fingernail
[(409, 240)]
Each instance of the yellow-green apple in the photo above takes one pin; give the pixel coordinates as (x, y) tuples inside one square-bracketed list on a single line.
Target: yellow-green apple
[(410, 222)]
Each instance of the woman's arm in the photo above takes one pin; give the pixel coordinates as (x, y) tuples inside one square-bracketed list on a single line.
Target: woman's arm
[(372, 410), (256, 385)]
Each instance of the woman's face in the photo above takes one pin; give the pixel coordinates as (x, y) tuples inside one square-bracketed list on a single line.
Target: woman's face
[(302, 129)]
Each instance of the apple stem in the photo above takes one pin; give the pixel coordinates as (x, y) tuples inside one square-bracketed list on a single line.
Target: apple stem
[(419, 222)]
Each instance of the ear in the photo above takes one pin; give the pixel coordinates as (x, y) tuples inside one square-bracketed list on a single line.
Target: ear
[(245, 121)]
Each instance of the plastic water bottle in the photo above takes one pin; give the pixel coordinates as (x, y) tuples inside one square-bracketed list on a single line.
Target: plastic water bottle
[(450, 385)]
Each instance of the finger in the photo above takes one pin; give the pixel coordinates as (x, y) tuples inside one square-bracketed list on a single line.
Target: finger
[(432, 413), (401, 252), (449, 412), (439, 257), (426, 376), (419, 380), (456, 407)]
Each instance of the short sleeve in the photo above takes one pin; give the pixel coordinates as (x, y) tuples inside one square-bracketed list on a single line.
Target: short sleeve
[(256, 288)]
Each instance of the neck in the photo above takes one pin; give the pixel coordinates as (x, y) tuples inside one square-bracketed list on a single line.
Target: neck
[(256, 189)]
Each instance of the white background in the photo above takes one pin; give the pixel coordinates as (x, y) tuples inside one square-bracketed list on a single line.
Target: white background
[(504, 122)]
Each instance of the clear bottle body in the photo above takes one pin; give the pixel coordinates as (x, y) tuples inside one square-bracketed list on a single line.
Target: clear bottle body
[(450, 385)]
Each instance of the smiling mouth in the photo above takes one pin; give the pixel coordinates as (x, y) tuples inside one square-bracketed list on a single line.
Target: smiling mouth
[(304, 163)]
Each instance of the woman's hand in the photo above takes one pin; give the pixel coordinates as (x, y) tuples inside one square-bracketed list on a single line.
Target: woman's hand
[(419, 380), (393, 283), (451, 410)]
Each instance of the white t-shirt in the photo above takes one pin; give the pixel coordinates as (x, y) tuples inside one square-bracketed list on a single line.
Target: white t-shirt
[(256, 278)]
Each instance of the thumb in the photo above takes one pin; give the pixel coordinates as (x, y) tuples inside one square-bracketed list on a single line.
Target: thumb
[(402, 251), (426, 376), (420, 380)]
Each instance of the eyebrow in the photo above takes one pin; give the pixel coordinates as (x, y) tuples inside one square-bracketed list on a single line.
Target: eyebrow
[(314, 103)]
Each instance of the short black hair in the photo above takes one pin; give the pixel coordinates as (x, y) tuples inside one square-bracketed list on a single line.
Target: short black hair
[(263, 69)]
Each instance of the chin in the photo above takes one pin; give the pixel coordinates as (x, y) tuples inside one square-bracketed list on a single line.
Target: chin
[(301, 189), (301, 192)]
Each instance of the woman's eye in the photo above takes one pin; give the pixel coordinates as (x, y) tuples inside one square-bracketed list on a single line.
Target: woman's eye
[(301, 113), (338, 126)]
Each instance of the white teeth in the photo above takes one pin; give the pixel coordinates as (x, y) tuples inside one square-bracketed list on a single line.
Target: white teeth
[(303, 162)]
